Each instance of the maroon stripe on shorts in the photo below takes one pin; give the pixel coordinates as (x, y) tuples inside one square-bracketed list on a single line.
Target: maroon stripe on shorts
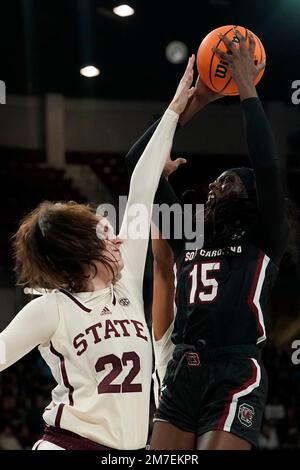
[(244, 386)]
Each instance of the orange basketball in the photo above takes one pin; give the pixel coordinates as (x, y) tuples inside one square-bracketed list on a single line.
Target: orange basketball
[(214, 71)]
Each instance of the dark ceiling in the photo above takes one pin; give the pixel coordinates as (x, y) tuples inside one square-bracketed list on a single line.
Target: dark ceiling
[(45, 42)]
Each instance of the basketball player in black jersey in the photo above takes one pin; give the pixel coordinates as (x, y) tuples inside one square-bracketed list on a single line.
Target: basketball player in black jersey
[(215, 387)]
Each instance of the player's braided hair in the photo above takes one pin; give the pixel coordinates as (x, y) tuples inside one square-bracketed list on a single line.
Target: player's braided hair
[(229, 221)]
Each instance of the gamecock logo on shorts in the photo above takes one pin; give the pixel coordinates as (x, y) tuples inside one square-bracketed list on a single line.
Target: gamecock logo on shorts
[(124, 302), (246, 413)]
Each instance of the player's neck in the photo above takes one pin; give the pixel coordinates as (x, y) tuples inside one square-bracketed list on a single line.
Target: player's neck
[(97, 284), (102, 280)]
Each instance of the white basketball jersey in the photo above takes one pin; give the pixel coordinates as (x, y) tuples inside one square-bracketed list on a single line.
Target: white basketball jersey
[(101, 358), (97, 344), (101, 353)]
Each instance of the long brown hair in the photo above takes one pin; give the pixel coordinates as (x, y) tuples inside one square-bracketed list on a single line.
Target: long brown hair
[(55, 246)]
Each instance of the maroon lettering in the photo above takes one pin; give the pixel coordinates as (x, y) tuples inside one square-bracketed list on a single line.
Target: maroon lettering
[(139, 328), (122, 322), (93, 329), (127, 385), (109, 328), (77, 343), (106, 385)]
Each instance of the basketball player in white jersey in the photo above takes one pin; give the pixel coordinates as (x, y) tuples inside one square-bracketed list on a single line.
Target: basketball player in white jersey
[(91, 330)]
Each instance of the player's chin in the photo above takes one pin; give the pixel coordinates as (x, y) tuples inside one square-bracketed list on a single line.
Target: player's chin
[(120, 265)]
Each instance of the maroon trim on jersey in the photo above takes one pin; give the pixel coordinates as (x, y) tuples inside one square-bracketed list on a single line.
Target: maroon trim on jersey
[(250, 300), (69, 440), (114, 300), (37, 447), (68, 294), (231, 394), (58, 415), (64, 373)]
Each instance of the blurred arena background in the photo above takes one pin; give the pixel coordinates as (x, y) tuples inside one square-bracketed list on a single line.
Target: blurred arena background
[(63, 136)]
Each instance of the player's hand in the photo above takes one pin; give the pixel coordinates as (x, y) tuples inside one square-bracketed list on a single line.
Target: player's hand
[(172, 165), (241, 60), (184, 90), (201, 97)]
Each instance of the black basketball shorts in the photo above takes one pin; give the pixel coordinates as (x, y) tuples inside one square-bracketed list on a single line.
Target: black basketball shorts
[(222, 389)]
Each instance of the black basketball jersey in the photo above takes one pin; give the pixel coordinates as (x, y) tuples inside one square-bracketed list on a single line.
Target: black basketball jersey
[(222, 294)]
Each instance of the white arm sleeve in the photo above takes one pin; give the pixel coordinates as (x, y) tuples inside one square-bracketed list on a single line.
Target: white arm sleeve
[(143, 185), (33, 325)]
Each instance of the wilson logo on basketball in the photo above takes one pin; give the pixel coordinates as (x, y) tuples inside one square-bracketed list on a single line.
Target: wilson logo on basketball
[(246, 413), (124, 302), (221, 69)]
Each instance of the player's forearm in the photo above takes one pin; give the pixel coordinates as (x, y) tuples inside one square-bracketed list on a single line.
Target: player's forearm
[(260, 139), (247, 90), (163, 302), (194, 106), (146, 175), (137, 149), (271, 198), (164, 264), (164, 193), (162, 253)]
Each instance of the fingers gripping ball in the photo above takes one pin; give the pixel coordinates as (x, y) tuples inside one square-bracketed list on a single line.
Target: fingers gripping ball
[(214, 71)]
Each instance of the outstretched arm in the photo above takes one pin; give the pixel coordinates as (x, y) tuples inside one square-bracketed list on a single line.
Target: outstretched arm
[(32, 326), (271, 199), (163, 271), (262, 149), (162, 307), (165, 193), (145, 179), (200, 98), (163, 284)]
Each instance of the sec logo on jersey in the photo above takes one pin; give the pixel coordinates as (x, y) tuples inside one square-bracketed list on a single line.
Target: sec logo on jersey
[(124, 302)]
